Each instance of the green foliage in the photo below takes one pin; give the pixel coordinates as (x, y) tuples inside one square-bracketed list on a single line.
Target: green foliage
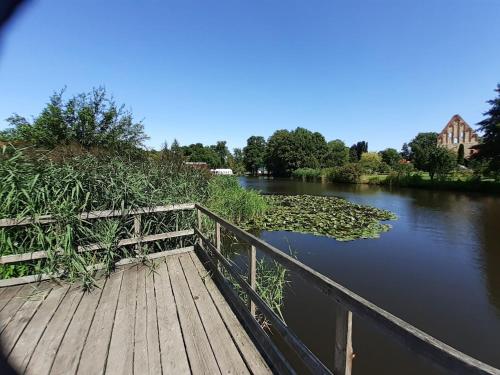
[(198, 153), (489, 148), (89, 119), (461, 154), (307, 173), (290, 150), (227, 198), (254, 154), (235, 162), (327, 216), (390, 156), (441, 162), (405, 151), (370, 162), (357, 150), (337, 155), (421, 147), (350, 173)]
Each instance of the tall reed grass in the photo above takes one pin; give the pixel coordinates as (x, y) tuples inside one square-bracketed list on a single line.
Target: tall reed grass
[(33, 184)]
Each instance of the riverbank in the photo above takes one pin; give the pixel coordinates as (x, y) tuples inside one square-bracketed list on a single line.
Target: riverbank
[(417, 180)]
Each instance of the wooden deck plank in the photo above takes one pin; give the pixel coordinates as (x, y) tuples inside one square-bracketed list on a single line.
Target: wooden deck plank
[(12, 301), (95, 351), (7, 294), (153, 342), (23, 316), (225, 351), (25, 346), (121, 349), (69, 353), (164, 319), (250, 353), (45, 351), (173, 354), (140, 335), (200, 355)]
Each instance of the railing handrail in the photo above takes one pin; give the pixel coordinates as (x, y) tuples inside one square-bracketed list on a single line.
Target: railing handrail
[(432, 349), (94, 215), (91, 215)]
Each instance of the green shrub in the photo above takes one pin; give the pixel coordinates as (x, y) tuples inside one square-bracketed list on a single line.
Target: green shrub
[(307, 173), (350, 172), (227, 198)]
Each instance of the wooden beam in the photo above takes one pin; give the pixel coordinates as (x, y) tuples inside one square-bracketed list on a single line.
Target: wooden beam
[(95, 267), (304, 354), (252, 276), (46, 219), (343, 355), (422, 344), (93, 247)]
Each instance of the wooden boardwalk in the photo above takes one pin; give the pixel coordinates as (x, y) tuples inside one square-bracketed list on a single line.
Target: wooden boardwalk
[(170, 319)]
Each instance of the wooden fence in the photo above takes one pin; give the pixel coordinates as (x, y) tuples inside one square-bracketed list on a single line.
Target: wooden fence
[(137, 238), (347, 303)]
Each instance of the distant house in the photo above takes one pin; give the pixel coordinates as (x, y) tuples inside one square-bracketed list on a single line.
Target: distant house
[(457, 132), (222, 171)]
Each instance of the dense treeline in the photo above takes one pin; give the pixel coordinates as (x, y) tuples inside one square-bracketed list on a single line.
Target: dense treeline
[(94, 122)]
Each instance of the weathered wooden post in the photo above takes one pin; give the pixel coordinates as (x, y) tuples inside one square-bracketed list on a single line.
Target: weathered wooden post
[(217, 241), (342, 361), (198, 212), (252, 275), (137, 232)]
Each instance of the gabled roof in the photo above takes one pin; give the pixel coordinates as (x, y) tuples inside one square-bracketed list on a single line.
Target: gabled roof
[(454, 119)]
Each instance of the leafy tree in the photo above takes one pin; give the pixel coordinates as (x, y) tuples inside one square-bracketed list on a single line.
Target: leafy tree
[(370, 162), (235, 162), (461, 154), (337, 154), (90, 119), (222, 152), (199, 153), (254, 154), (441, 162), (351, 172), (175, 147), (390, 156), (489, 148), (405, 151), (353, 154), (290, 150), (421, 147)]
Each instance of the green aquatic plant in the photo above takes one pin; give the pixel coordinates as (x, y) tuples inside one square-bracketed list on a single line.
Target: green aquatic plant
[(324, 216)]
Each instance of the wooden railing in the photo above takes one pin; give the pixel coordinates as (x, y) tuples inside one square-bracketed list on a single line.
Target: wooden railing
[(137, 239), (347, 303)]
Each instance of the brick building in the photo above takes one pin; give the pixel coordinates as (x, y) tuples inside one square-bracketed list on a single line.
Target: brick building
[(457, 132)]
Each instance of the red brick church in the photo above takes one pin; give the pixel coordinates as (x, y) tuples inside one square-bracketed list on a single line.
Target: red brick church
[(457, 132)]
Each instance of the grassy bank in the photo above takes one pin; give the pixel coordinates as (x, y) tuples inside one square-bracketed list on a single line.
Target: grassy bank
[(351, 174)]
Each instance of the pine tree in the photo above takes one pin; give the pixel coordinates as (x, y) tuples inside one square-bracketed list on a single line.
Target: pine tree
[(489, 148), (461, 154)]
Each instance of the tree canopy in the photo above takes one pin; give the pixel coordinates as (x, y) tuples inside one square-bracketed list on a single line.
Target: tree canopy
[(390, 156), (421, 147), (290, 150), (337, 154), (489, 148), (89, 119), (254, 154)]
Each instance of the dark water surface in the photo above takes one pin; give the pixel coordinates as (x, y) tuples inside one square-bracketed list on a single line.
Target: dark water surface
[(438, 268)]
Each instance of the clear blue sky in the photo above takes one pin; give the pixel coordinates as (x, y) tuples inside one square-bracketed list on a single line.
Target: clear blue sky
[(202, 71)]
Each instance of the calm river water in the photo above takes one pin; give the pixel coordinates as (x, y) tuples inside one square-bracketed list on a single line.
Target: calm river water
[(437, 268)]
